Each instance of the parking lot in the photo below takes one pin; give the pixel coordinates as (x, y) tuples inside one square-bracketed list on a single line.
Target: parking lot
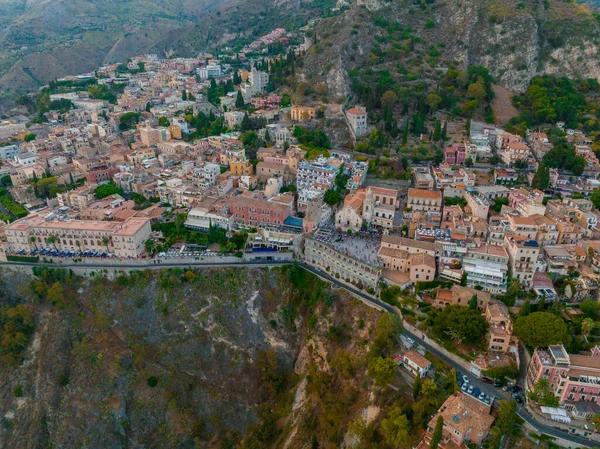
[(469, 385)]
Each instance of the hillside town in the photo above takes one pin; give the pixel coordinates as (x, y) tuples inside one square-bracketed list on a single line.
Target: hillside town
[(187, 159)]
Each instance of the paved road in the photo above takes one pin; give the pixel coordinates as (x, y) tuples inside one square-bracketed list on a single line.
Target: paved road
[(486, 388), (163, 264)]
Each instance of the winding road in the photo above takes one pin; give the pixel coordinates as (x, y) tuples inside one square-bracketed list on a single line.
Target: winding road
[(578, 441)]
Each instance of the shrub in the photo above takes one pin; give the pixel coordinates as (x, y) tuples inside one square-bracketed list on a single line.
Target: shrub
[(152, 381)]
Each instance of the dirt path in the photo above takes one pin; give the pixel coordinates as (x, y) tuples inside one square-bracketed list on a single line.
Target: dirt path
[(502, 106)]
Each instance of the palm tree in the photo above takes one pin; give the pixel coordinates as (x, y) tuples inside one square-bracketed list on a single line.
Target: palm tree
[(52, 241), (105, 242), (587, 326), (32, 238)]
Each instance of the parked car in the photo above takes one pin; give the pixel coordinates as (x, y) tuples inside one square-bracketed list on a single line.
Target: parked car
[(487, 380), (470, 389), (487, 399), (476, 392), (481, 396), (465, 379), (497, 384), (460, 383), (505, 388), (463, 387)]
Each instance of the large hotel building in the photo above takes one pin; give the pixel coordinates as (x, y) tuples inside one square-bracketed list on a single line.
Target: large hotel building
[(125, 238)]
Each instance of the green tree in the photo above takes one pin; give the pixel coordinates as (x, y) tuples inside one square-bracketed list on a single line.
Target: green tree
[(239, 100), (541, 329), (29, 137), (382, 370), (476, 91), (437, 131), (128, 120), (507, 425), (396, 428), (163, 121), (461, 325), (541, 179), (433, 100), (56, 295), (542, 304), (417, 387), (246, 124), (595, 198), (104, 190), (332, 197), (469, 162), (436, 436), (525, 308), (473, 302), (542, 394), (591, 308)]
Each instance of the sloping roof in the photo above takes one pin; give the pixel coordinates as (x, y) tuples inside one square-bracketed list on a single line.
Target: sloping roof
[(422, 193), (356, 111), (422, 259), (417, 359), (403, 241)]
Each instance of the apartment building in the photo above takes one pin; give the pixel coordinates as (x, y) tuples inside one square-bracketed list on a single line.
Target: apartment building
[(527, 202), (125, 239), (523, 254), (487, 266), (574, 378), (249, 211), (318, 172), (465, 420), (202, 218), (480, 207), (500, 332), (425, 200)]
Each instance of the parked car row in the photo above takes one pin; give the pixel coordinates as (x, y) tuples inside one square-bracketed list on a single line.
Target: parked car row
[(465, 386), (57, 253)]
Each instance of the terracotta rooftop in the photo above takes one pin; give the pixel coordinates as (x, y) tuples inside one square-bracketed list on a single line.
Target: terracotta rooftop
[(403, 241), (422, 193), (356, 111), (417, 359), (462, 413)]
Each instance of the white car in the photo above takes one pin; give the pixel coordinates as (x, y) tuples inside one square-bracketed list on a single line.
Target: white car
[(465, 379), (470, 390)]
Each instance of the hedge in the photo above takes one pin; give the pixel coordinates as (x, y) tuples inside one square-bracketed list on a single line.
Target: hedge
[(29, 259), (433, 284), (13, 207)]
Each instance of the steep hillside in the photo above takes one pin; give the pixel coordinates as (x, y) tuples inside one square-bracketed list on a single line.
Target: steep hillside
[(415, 42), (42, 40), (184, 359)]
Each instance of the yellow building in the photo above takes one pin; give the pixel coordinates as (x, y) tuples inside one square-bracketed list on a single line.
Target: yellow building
[(239, 168), (303, 113)]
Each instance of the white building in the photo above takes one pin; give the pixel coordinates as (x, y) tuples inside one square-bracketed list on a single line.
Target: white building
[(209, 71), (357, 119), (201, 218)]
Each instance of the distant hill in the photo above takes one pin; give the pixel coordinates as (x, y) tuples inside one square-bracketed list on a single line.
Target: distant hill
[(414, 41), (44, 39)]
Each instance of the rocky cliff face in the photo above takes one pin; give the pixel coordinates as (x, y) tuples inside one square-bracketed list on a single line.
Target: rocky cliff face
[(515, 40), (164, 360)]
